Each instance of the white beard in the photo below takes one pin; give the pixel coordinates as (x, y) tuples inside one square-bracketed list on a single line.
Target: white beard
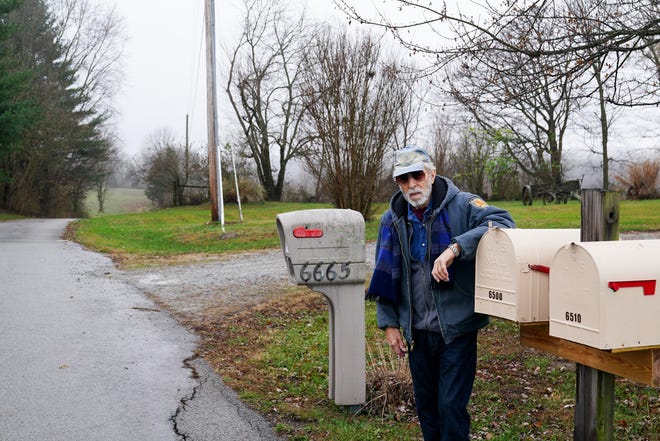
[(420, 201)]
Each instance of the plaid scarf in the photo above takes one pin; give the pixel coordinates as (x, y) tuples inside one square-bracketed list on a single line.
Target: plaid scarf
[(386, 279)]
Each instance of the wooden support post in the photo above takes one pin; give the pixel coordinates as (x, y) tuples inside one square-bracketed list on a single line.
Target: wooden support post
[(641, 365), (594, 404), (599, 215)]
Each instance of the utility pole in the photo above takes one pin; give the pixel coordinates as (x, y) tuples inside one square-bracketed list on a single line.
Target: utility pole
[(215, 173)]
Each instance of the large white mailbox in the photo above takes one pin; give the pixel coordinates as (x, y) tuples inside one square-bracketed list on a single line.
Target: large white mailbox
[(603, 294), (512, 267), (325, 250)]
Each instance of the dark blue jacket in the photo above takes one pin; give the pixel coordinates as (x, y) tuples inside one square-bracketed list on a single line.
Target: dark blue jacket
[(469, 217)]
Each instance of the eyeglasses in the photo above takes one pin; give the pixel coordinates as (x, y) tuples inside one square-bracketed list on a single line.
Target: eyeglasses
[(419, 175)]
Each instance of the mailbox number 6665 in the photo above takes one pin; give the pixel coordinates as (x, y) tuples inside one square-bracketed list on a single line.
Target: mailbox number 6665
[(329, 274)]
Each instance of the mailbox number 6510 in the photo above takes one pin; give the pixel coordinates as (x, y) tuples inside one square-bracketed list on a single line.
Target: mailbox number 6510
[(573, 317), (329, 274)]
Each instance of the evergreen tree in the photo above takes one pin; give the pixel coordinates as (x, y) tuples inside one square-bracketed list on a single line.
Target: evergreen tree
[(58, 159), (16, 112)]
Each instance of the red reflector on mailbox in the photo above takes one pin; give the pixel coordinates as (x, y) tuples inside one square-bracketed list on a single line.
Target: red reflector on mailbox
[(304, 233), (648, 286), (540, 268)]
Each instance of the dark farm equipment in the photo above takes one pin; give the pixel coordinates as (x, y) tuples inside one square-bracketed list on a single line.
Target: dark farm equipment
[(551, 193)]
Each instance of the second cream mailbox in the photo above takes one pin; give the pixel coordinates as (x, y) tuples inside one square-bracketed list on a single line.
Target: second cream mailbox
[(323, 246), (603, 294), (512, 267)]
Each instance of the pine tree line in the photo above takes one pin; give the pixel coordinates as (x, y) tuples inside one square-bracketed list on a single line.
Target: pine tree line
[(55, 141)]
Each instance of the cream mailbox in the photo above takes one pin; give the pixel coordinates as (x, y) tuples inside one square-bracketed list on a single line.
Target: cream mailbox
[(323, 246), (512, 267), (603, 294), (325, 250)]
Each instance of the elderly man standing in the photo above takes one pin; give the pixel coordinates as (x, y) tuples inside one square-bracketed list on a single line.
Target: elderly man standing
[(424, 284)]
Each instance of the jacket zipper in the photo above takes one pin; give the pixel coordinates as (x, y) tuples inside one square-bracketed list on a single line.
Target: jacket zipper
[(432, 219), (412, 341)]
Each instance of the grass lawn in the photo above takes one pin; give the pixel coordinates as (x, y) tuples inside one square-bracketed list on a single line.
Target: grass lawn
[(4, 216), (275, 355), (118, 201), (155, 236)]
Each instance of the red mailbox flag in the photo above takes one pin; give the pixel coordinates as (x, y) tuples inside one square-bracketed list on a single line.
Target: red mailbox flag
[(540, 268), (648, 286)]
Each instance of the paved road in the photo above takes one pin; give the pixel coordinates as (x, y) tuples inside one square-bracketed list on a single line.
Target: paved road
[(86, 356)]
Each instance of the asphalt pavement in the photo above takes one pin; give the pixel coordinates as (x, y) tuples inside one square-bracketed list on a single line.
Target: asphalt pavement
[(86, 356)]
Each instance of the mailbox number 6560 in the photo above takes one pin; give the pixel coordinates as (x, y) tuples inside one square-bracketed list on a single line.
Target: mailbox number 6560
[(329, 274)]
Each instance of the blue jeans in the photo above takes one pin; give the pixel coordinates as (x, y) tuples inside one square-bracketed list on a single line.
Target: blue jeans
[(443, 375)]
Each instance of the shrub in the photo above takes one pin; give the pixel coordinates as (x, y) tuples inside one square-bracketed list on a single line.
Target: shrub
[(639, 181), (389, 385), (249, 189)]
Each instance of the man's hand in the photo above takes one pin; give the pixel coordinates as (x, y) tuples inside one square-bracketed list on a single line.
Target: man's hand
[(394, 339), (440, 270)]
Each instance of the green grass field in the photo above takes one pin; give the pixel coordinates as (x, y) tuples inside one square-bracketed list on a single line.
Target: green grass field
[(135, 237), (9, 216), (118, 201)]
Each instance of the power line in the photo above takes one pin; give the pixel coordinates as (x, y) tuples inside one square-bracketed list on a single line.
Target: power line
[(197, 49)]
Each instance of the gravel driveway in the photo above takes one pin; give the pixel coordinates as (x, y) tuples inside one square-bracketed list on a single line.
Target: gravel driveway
[(192, 292)]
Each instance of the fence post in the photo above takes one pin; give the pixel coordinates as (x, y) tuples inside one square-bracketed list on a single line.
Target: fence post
[(594, 403)]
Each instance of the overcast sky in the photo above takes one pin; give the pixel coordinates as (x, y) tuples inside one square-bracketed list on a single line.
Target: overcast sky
[(164, 69), (164, 65)]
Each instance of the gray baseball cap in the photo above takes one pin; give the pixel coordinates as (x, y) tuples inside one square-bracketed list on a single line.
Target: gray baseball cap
[(410, 159)]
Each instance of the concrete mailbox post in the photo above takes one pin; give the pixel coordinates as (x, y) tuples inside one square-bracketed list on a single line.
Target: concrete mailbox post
[(512, 269), (604, 295), (325, 250)]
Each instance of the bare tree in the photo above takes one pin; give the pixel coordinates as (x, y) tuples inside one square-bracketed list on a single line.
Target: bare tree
[(56, 162), (621, 26), (653, 55), (92, 38), (264, 89), (520, 101), (472, 153), (103, 173), (441, 147), (168, 169), (596, 43), (355, 99), (475, 159), (411, 112), (602, 82)]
